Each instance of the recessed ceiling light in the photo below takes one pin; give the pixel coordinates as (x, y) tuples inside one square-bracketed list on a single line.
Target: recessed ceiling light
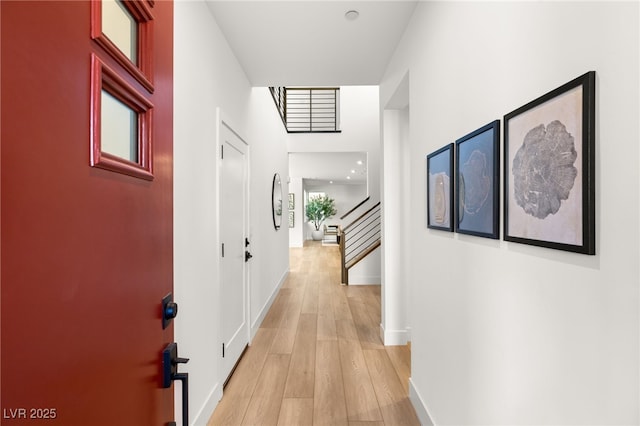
[(352, 15), (348, 177), (359, 162), (353, 171), (331, 181)]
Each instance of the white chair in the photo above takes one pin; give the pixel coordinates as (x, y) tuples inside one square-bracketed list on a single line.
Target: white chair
[(331, 233)]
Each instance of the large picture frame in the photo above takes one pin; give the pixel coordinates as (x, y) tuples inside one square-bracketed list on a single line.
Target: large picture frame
[(477, 166), (549, 167), (440, 189)]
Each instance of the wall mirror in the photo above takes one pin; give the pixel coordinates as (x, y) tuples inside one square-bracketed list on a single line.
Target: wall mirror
[(276, 201)]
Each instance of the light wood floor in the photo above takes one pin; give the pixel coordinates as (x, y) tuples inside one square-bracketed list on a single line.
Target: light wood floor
[(317, 358)]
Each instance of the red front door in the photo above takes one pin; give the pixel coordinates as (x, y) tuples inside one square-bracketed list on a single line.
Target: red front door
[(86, 252)]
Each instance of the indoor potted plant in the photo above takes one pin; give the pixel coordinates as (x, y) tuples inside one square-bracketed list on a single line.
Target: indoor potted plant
[(317, 210)]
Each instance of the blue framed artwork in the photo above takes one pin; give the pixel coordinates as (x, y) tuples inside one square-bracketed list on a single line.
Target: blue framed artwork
[(440, 189), (477, 210)]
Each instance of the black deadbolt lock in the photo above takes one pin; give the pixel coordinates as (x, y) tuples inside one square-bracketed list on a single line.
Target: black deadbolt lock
[(169, 310)]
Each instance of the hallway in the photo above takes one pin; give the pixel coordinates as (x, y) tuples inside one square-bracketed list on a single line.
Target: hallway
[(318, 358)]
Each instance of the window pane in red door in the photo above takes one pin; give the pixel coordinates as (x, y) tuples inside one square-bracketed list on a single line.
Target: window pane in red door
[(121, 28), (118, 129)]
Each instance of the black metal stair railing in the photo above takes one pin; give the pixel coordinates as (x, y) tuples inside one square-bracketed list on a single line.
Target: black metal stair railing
[(308, 109), (361, 203), (279, 95), (359, 238)]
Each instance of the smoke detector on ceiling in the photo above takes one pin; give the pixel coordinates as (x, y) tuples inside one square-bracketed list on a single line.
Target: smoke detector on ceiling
[(352, 15)]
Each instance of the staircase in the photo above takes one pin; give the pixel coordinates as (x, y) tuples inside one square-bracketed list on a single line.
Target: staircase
[(359, 238)]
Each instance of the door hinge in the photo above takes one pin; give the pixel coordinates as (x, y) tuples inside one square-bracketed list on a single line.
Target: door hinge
[(222, 249), (222, 349), (222, 152)]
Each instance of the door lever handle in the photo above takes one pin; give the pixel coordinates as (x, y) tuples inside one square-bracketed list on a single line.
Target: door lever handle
[(170, 361), (247, 256)]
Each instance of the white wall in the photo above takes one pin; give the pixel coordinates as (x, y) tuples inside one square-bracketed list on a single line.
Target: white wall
[(395, 327), (505, 333), (346, 197), (270, 248), (207, 76)]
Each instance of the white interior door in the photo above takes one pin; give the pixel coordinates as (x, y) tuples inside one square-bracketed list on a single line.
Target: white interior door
[(233, 226)]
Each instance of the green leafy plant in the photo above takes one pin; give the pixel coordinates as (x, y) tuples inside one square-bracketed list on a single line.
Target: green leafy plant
[(319, 209)]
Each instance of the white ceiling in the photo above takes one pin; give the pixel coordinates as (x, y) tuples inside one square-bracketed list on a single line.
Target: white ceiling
[(311, 43), (322, 167)]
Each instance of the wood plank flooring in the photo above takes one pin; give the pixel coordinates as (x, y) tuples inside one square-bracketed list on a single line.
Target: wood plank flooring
[(317, 358)]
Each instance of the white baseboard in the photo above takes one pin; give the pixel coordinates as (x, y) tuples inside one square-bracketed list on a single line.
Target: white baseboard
[(395, 337), (263, 312), (419, 405), (205, 413)]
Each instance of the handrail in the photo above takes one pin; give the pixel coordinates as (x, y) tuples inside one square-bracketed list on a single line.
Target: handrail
[(361, 216), (362, 255), (359, 238), (354, 209)]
